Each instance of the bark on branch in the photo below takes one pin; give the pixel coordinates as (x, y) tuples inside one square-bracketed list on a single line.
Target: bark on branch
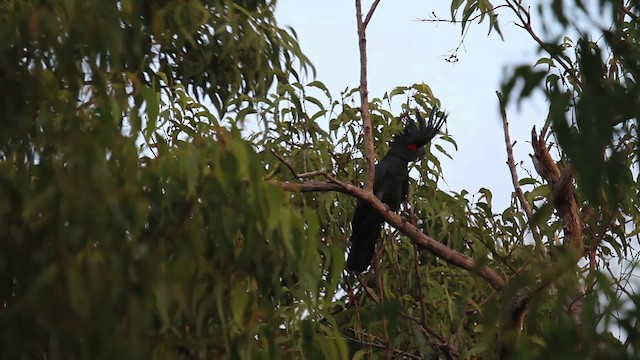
[(562, 194), (369, 151), (564, 200), (511, 162)]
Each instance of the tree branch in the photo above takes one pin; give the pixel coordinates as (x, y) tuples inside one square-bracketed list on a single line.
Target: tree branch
[(564, 200), (370, 13), (425, 242), (562, 193), (369, 152), (295, 174), (481, 14), (449, 350), (515, 180), (511, 160)]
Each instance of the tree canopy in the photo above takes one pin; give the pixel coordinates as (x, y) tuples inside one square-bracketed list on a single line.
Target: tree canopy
[(175, 183)]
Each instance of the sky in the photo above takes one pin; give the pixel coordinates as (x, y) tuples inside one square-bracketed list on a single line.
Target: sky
[(403, 50)]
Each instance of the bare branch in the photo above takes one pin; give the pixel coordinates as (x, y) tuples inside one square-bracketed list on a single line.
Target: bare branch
[(286, 163), (423, 313), (369, 152), (310, 174), (511, 160), (514, 177), (370, 13)]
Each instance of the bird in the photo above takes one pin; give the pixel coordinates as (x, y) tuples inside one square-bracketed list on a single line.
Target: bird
[(390, 185)]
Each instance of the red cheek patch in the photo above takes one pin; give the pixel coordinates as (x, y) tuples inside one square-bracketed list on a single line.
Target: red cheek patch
[(412, 147)]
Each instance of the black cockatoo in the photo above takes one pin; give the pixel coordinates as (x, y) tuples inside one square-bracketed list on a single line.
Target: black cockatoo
[(390, 185)]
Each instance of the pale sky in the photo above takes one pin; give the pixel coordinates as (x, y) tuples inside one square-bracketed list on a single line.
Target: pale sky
[(403, 51)]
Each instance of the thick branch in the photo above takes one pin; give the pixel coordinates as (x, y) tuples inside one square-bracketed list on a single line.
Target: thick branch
[(369, 151), (418, 237), (562, 193)]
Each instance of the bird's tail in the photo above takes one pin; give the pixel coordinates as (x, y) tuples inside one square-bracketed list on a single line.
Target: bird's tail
[(363, 245)]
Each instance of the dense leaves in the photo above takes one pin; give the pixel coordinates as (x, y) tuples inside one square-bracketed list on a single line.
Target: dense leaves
[(143, 150), (132, 222)]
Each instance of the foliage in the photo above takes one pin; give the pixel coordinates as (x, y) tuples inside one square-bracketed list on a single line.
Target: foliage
[(133, 223), (143, 150)]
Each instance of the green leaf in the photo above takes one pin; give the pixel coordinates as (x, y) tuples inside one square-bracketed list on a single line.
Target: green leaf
[(239, 301), (548, 61), (320, 85), (542, 215), (542, 191), (455, 5), (527, 181)]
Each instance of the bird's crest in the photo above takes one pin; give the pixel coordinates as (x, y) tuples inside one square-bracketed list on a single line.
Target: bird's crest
[(417, 135)]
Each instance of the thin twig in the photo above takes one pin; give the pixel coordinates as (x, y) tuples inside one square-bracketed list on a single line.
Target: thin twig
[(403, 354), (294, 172), (286, 163), (173, 232), (524, 15), (450, 350), (481, 14), (380, 286), (311, 174), (423, 313), (368, 290), (341, 166)]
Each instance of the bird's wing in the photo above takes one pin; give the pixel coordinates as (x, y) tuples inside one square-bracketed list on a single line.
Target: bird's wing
[(366, 225), (378, 183), (362, 207), (405, 188)]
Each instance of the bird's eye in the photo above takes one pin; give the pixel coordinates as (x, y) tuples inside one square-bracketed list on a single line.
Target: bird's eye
[(412, 147)]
